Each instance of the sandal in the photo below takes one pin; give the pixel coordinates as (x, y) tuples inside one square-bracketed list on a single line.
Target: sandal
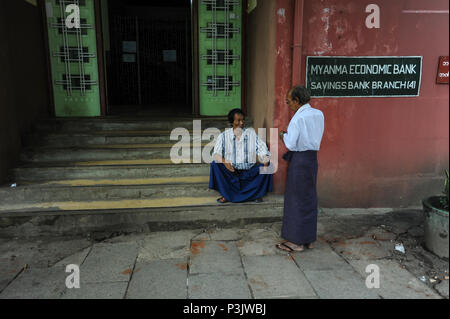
[(289, 249), (222, 200)]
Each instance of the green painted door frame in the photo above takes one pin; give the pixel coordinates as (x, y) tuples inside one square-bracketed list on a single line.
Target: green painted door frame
[(76, 79), (220, 36)]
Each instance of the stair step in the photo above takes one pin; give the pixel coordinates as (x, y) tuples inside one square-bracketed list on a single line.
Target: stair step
[(49, 193), (112, 204), (169, 144), (122, 182), (101, 138), (109, 124), (151, 216), (90, 154), (51, 172), (91, 206)]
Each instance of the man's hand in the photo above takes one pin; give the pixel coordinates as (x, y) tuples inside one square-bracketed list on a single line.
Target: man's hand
[(229, 167), (220, 159), (282, 134)]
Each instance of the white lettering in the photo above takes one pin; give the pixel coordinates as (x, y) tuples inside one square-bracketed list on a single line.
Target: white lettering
[(405, 69), (200, 310), (316, 69)]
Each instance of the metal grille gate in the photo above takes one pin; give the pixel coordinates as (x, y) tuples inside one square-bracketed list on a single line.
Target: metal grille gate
[(158, 71)]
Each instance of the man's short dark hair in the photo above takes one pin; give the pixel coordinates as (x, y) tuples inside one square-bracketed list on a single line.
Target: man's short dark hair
[(232, 114), (301, 94)]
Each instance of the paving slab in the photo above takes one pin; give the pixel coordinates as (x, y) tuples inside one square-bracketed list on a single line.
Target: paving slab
[(276, 277), (380, 234), (396, 282), (258, 247), (218, 286), (401, 221), (201, 235), (331, 229), (75, 259), (259, 243), (8, 271), (105, 290), (225, 234), (166, 245), (215, 257), (442, 288), (355, 211), (322, 257), (260, 233), (42, 252), (109, 263), (339, 284), (276, 227), (159, 279), (364, 248), (38, 283)]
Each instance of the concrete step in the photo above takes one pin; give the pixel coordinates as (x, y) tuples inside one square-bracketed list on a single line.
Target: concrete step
[(121, 124), (196, 196), (88, 191), (96, 139), (51, 172), (125, 152), (68, 219)]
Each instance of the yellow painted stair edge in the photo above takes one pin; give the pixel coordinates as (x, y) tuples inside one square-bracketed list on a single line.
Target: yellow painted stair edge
[(121, 204)]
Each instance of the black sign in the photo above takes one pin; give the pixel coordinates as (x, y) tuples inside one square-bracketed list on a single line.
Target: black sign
[(364, 76)]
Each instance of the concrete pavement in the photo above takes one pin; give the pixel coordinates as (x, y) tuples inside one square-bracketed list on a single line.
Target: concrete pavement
[(235, 263)]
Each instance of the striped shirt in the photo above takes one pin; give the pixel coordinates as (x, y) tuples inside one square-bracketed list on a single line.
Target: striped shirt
[(241, 153)]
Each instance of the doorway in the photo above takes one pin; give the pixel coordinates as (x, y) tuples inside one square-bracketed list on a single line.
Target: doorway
[(148, 57)]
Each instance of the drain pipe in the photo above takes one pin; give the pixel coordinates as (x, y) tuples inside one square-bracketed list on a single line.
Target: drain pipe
[(297, 56)]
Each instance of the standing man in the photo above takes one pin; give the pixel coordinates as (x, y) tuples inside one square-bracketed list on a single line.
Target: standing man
[(303, 140)]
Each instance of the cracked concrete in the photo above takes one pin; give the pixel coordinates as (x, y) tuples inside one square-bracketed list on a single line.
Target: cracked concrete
[(233, 263)]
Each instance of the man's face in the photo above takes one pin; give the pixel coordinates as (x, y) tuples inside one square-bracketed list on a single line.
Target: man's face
[(293, 105), (238, 121)]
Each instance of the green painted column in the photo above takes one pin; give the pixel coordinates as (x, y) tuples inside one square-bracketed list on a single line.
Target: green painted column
[(220, 50), (73, 56)]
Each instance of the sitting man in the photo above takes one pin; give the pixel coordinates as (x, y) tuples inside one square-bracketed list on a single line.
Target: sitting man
[(235, 173)]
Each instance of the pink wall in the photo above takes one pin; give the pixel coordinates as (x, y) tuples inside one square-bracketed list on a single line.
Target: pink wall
[(376, 152)]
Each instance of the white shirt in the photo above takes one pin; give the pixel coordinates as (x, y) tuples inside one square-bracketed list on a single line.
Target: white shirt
[(305, 130), (241, 153)]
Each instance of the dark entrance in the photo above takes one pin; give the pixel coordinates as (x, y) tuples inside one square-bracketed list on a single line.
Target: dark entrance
[(149, 62)]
